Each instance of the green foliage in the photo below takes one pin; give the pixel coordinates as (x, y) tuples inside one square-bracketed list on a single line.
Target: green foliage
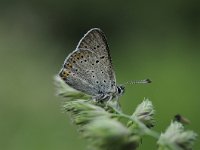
[(101, 125)]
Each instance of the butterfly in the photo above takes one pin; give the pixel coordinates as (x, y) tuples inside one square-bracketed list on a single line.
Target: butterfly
[(89, 68)]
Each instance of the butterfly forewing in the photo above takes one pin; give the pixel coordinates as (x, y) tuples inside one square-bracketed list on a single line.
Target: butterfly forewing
[(89, 68), (95, 40)]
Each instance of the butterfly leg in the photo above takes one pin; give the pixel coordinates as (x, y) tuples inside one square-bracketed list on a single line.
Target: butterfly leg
[(110, 98), (109, 101), (100, 97)]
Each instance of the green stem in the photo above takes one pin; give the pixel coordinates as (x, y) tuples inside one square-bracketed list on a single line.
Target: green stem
[(140, 124)]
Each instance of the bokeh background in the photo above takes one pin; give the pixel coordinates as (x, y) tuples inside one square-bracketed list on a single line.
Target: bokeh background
[(148, 39)]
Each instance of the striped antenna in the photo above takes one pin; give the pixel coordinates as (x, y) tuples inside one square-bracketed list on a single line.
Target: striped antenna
[(139, 81)]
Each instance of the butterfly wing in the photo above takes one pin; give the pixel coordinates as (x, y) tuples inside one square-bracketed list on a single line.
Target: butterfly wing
[(89, 68), (95, 40)]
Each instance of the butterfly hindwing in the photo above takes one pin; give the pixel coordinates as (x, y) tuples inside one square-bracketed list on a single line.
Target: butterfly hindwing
[(84, 71)]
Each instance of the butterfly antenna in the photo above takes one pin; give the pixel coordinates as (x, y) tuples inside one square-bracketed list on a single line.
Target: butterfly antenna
[(139, 81)]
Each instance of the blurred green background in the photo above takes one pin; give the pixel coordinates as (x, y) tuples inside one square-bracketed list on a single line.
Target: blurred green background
[(159, 40)]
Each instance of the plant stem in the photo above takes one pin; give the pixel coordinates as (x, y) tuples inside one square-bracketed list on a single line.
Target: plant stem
[(141, 125)]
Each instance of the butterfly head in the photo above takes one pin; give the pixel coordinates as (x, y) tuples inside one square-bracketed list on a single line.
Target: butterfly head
[(120, 90)]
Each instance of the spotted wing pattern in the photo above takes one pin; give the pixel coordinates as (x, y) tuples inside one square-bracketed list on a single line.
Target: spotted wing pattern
[(89, 68)]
